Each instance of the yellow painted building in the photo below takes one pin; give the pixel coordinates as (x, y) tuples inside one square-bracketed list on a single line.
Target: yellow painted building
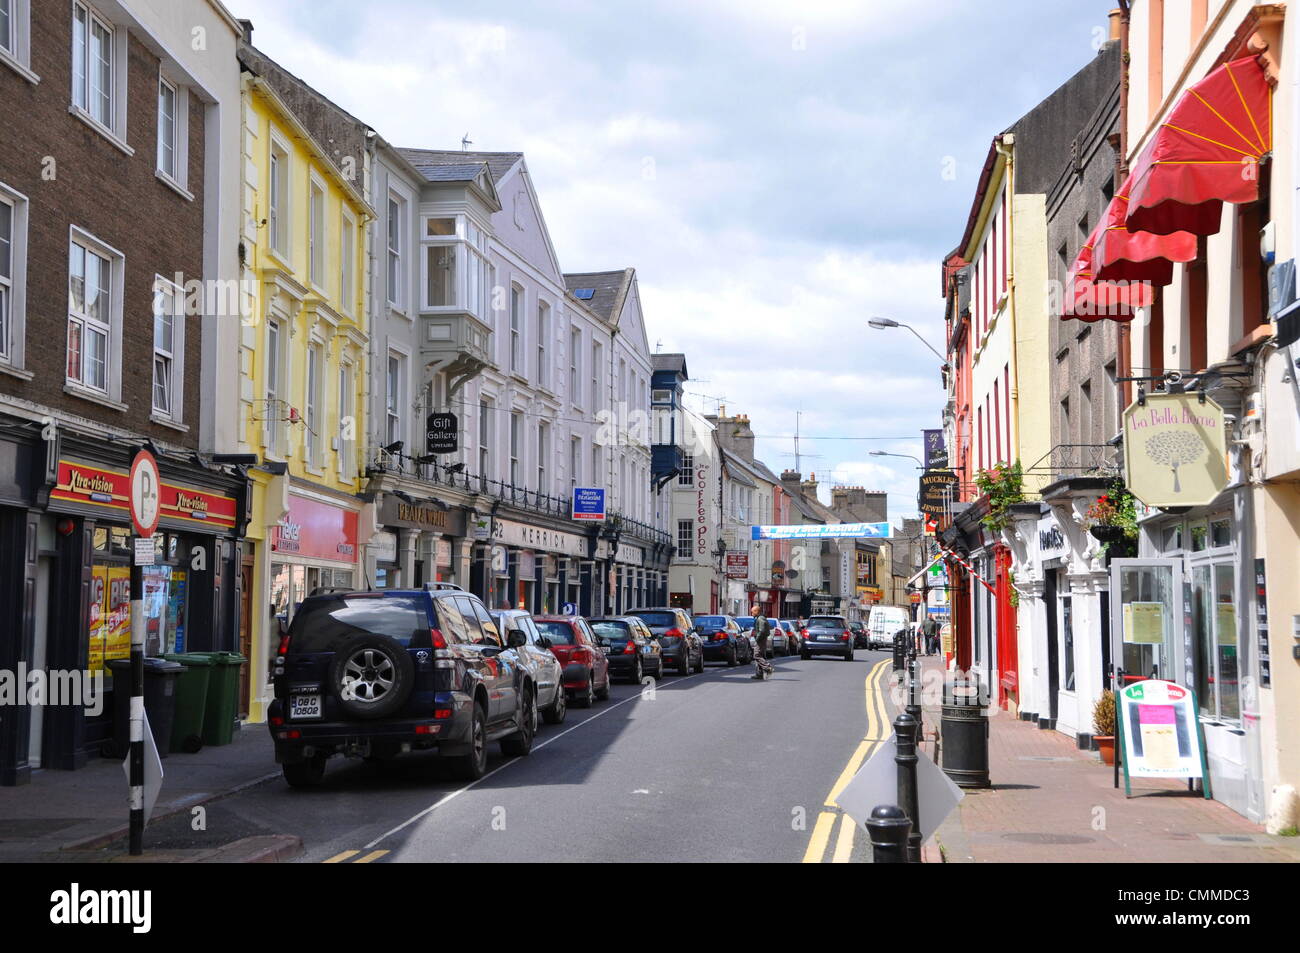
[(303, 370)]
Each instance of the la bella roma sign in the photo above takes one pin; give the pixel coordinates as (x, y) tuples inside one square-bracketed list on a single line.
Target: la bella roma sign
[(1175, 450)]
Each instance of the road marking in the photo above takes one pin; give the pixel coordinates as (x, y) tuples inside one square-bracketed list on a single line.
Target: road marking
[(339, 858), (452, 795), (373, 855), (821, 835), (844, 843), (877, 729)]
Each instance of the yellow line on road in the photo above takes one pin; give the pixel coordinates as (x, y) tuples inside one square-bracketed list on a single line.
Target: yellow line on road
[(821, 835), (339, 858), (844, 843), (373, 855)]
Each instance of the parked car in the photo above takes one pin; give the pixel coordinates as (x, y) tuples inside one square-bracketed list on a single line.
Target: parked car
[(783, 636), (725, 639), (828, 635), (530, 647), (377, 673), (883, 624), (679, 643), (797, 633), (630, 646), (586, 669), (861, 639)]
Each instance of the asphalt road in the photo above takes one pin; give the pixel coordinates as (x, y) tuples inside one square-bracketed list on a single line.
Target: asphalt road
[(711, 767)]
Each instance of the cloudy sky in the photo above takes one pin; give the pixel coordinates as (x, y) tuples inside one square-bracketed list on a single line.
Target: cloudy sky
[(774, 171)]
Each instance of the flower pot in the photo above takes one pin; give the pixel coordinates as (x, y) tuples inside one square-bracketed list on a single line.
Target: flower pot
[(1107, 534), (1106, 745)]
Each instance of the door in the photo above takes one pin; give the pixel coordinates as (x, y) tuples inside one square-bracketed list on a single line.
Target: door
[(1053, 652), (246, 632), (1147, 622), (35, 734)]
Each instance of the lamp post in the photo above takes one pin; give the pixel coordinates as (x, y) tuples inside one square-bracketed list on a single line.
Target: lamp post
[(906, 456), (881, 324)]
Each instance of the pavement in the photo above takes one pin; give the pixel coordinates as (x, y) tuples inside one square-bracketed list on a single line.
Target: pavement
[(81, 816), (1052, 803)]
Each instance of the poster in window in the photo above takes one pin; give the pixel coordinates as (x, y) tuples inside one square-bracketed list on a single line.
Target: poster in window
[(98, 614), (176, 611), (1144, 623), (117, 635), (155, 608)]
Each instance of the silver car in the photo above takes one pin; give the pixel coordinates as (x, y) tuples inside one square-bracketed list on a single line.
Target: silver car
[(523, 638)]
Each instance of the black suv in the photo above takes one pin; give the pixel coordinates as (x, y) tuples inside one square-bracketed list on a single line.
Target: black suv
[(375, 674)]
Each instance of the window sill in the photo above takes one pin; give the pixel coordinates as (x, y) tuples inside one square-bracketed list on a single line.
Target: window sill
[(175, 186), (279, 258), (95, 397), (18, 372), (100, 128), (19, 68), (162, 421)]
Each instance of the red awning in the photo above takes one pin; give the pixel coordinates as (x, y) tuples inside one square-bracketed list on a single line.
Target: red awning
[(1121, 255), (1205, 153), (1088, 299)]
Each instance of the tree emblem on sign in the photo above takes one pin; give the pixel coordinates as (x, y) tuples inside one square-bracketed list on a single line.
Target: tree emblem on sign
[(1173, 449)]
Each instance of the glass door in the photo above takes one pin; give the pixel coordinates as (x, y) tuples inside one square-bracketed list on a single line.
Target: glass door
[(1146, 604)]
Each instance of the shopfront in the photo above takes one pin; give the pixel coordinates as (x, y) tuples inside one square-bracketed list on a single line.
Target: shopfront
[(532, 567), (71, 603), (417, 542), (314, 546)]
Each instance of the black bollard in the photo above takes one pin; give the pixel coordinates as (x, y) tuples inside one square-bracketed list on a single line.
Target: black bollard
[(889, 828), (900, 650), (913, 707), (905, 732)]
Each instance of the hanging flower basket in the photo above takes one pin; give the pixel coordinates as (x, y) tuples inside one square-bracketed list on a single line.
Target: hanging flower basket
[(1107, 534)]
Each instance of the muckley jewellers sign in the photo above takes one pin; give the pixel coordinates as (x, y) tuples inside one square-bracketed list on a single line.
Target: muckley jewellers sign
[(1175, 450)]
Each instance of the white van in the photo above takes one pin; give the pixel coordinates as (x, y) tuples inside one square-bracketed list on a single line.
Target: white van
[(883, 624)]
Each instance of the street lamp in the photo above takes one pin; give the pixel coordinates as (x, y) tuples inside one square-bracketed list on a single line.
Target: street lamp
[(908, 456), (881, 324)]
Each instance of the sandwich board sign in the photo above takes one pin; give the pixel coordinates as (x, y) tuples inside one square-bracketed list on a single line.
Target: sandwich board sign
[(1160, 735)]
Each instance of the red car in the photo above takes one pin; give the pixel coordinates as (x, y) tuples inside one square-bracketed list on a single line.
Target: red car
[(586, 670)]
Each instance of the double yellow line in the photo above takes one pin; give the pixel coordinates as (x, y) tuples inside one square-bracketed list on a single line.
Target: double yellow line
[(878, 729), (347, 855)]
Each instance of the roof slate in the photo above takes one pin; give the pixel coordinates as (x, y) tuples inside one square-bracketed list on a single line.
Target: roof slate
[(498, 163), (610, 288)]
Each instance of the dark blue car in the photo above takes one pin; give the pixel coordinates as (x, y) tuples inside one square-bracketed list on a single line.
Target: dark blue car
[(724, 640), (376, 674)]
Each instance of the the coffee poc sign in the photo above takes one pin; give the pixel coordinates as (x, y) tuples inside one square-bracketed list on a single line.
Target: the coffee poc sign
[(316, 530)]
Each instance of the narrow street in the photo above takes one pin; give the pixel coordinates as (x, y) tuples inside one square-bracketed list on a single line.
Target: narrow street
[(713, 767)]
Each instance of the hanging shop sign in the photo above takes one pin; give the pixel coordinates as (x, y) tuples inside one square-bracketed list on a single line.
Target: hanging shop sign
[(737, 565), (938, 492), (1160, 733), (936, 454), (1175, 450), (818, 531), (441, 434)]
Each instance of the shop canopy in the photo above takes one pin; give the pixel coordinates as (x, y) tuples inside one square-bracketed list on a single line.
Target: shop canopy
[(1205, 153), (1090, 299), (1123, 255)]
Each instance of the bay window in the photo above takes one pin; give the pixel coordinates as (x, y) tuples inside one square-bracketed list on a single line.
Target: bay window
[(457, 273)]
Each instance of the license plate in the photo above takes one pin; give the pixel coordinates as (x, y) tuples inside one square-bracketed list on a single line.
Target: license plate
[(606, 649), (827, 638), (304, 706)]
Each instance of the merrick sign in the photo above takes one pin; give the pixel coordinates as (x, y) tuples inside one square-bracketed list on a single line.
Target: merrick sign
[(1175, 450)]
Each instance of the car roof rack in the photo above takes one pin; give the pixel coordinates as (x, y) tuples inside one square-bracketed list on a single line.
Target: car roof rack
[(443, 585)]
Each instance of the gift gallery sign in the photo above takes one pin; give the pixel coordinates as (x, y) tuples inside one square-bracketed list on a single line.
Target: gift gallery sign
[(1175, 450)]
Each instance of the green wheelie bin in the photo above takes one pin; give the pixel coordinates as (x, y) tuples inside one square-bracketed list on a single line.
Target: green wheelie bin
[(191, 700), (222, 709)]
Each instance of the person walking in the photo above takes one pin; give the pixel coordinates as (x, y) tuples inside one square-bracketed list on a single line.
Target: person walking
[(931, 629), (762, 630)]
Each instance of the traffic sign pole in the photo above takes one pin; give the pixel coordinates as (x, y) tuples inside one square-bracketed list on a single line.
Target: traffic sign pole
[(145, 483)]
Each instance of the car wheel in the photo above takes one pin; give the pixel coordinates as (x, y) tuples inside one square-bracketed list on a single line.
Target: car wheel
[(473, 765), (554, 713), (521, 743), (804, 655), (684, 666), (732, 660), (848, 656), (637, 672), (587, 698), (305, 774), (603, 693), (699, 663)]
